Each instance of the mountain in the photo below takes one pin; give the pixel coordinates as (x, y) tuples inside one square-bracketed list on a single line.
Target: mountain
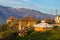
[(6, 12), (35, 14)]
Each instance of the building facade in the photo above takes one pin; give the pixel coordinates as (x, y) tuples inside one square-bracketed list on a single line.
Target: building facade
[(43, 27), (57, 19)]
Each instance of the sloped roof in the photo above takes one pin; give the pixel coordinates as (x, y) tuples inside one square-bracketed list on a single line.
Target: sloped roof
[(12, 18), (29, 18), (44, 25)]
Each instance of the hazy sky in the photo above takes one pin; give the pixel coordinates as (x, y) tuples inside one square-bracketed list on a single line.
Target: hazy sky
[(46, 6)]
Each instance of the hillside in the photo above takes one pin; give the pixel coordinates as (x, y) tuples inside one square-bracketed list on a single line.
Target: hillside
[(6, 12)]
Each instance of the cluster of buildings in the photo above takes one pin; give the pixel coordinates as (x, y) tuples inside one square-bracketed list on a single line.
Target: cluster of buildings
[(21, 25), (26, 23)]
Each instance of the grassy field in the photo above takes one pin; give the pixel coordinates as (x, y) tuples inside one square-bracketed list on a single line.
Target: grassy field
[(50, 35)]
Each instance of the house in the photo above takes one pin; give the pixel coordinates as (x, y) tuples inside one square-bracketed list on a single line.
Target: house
[(43, 27), (57, 19), (11, 19), (29, 21), (12, 22), (25, 24), (21, 24)]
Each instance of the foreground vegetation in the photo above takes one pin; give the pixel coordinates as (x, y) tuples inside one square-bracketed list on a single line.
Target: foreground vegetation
[(51, 35), (9, 34)]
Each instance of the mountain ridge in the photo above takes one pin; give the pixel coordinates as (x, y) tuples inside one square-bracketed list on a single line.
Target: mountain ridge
[(6, 12)]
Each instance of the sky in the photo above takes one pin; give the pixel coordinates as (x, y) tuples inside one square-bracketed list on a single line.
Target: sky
[(45, 6)]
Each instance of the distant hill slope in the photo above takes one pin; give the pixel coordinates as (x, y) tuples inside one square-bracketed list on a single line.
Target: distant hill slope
[(6, 12)]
